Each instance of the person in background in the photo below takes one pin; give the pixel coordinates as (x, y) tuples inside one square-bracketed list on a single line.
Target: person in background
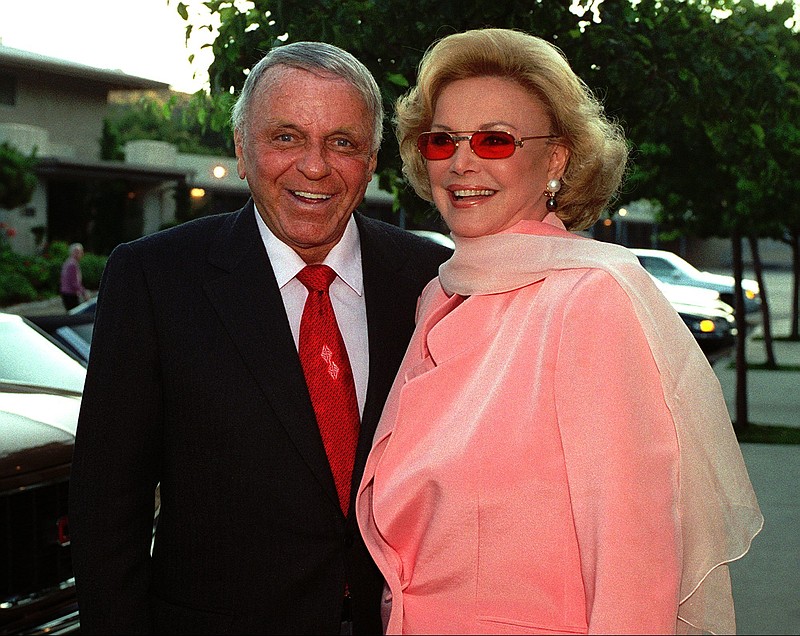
[(555, 455), (71, 287), (241, 362)]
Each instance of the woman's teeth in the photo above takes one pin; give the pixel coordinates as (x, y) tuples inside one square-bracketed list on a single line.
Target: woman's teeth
[(461, 194)]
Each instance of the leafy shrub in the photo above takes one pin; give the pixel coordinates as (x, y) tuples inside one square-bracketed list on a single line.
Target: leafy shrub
[(56, 253), (36, 270), (92, 266), (28, 278), (20, 277), (15, 288), (17, 177)]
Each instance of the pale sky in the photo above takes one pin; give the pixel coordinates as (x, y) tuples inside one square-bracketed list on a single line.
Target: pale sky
[(139, 37)]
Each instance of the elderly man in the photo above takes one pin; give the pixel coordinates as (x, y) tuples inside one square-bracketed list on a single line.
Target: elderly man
[(218, 372)]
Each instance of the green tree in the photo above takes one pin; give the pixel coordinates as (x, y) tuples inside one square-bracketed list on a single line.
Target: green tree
[(705, 156), (784, 141), (388, 36), (176, 120)]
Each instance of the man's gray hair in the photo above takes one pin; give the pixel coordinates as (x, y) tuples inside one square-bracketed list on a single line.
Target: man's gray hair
[(315, 57)]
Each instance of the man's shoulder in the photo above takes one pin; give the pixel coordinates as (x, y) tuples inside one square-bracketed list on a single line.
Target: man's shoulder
[(193, 236), (205, 225)]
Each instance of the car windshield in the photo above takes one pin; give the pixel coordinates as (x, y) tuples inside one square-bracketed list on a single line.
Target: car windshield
[(666, 264), (27, 357)]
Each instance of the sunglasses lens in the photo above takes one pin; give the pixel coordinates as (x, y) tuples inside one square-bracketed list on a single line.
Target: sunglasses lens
[(436, 145), (492, 144)]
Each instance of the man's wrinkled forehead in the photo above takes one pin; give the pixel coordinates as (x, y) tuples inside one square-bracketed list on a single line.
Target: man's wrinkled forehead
[(281, 76), (282, 98)]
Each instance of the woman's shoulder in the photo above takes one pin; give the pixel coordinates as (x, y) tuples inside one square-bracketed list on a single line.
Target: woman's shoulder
[(597, 290), (432, 296)]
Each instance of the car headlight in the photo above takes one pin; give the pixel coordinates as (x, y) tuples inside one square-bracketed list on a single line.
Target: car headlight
[(750, 294), (710, 327), (706, 326)]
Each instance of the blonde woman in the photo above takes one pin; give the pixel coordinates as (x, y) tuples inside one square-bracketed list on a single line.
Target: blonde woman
[(555, 455)]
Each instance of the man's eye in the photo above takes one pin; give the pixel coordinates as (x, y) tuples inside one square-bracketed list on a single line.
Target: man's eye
[(285, 137), (343, 143)]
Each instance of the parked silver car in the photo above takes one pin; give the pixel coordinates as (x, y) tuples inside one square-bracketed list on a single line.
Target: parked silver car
[(40, 395), (707, 316), (671, 268), (72, 331)]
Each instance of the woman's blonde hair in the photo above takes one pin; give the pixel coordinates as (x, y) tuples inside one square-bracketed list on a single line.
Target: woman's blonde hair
[(598, 152)]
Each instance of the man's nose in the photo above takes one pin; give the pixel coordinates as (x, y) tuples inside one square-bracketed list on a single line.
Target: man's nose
[(313, 161)]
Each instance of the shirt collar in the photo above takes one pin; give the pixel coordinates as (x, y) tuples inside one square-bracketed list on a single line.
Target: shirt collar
[(344, 258)]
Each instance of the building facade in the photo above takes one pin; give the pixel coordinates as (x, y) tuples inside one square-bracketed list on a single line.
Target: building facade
[(56, 109)]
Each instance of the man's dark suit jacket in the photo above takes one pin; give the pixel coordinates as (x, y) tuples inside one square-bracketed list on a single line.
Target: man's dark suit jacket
[(194, 381)]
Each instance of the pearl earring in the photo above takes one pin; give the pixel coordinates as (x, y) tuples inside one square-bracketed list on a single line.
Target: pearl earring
[(553, 186)]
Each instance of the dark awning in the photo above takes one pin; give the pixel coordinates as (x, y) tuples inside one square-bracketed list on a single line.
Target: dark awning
[(105, 170)]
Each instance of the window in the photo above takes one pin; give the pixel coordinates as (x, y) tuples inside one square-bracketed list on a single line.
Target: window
[(8, 90), (657, 267)]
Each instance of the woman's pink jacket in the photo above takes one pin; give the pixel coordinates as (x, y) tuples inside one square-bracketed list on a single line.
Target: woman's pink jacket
[(526, 476)]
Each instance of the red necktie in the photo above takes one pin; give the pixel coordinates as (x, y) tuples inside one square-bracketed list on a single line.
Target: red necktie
[(329, 378)]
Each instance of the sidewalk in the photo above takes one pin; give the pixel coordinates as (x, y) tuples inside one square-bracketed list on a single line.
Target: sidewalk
[(773, 397), (766, 581), (46, 307)]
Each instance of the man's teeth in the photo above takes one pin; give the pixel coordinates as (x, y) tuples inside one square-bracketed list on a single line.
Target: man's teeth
[(311, 195), (473, 193)]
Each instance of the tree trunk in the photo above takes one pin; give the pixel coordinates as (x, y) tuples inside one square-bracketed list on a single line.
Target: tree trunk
[(741, 422), (765, 322), (795, 244)]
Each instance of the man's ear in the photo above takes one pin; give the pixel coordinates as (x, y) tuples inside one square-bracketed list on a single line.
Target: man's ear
[(373, 163), (238, 141)]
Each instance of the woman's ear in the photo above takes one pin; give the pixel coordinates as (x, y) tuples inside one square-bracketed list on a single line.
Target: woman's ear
[(559, 157)]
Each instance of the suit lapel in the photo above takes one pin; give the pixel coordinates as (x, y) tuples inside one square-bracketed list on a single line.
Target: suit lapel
[(246, 297), (384, 294)]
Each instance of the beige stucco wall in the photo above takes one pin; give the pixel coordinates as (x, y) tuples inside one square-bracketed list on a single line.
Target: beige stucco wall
[(71, 112)]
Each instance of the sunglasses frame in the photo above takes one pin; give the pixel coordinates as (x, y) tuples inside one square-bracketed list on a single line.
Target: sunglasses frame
[(467, 135)]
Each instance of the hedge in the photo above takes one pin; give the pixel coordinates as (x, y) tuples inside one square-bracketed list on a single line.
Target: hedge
[(28, 278)]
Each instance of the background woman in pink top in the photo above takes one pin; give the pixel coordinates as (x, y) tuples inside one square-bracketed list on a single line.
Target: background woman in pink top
[(555, 455), (71, 286)]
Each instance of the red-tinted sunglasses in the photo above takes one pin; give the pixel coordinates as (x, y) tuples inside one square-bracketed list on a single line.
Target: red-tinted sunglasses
[(487, 144)]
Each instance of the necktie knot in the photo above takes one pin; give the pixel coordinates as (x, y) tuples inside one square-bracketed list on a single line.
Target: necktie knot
[(316, 277)]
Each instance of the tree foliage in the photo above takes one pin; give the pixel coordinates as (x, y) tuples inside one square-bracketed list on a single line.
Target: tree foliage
[(699, 85), (17, 177), (176, 120)]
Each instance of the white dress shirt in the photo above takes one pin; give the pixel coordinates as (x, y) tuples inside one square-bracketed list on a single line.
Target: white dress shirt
[(346, 292)]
